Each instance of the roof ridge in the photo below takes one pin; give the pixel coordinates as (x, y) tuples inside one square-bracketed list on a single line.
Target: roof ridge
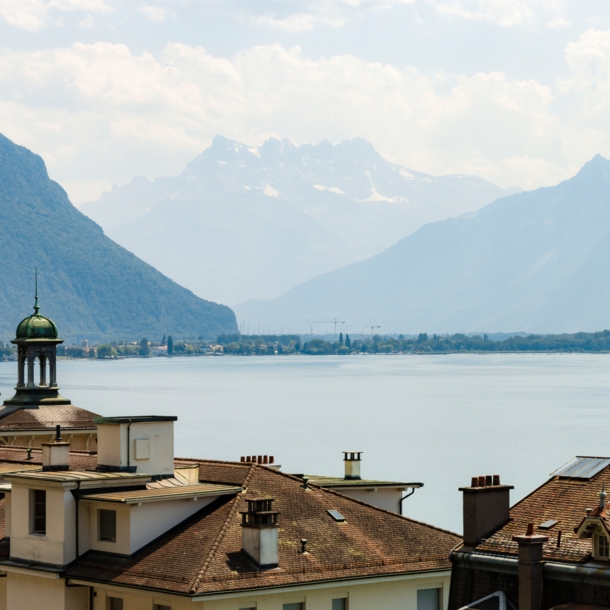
[(221, 534), (206, 461), (388, 512)]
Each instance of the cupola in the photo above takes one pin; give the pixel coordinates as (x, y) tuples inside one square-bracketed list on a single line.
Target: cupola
[(36, 340)]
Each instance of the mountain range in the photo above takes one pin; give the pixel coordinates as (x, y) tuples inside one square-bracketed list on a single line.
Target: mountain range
[(534, 261), (90, 286), (243, 222)]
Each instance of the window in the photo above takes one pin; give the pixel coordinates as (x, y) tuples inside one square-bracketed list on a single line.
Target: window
[(161, 607), (429, 599), (114, 603), (297, 606), (340, 604), (39, 511), (603, 546), (249, 608), (107, 519)]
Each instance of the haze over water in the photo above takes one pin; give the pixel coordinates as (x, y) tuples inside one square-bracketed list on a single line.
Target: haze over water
[(435, 419)]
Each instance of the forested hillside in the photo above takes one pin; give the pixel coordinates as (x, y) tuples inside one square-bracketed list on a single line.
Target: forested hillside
[(90, 286)]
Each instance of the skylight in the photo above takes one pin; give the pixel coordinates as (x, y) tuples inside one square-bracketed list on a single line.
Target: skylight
[(336, 515), (582, 467)]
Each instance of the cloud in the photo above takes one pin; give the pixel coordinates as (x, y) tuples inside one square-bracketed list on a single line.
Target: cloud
[(505, 13), (32, 15), (156, 14), (99, 113), (293, 23)]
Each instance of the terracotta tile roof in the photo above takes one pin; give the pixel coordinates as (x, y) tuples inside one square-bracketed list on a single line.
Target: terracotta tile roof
[(562, 499), (203, 554), (212, 471), (70, 417)]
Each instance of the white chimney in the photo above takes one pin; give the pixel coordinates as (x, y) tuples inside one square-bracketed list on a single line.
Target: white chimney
[(56, 455), (143, 444), (352, 461), (259, 533)]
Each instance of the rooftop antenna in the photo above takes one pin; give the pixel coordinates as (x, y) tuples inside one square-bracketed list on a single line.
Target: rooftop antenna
[(36, 306)]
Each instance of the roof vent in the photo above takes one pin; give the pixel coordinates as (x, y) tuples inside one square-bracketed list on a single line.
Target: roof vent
[(56, 455), (352, 461)]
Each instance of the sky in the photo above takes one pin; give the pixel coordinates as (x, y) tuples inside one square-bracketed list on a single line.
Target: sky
[(514, 91)]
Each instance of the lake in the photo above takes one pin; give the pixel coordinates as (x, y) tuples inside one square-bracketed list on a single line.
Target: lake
[(435, 419)]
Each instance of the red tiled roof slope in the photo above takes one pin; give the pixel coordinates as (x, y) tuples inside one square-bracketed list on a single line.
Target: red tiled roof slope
[(212, 471), (562, 499), (69, 417), (203, 554)]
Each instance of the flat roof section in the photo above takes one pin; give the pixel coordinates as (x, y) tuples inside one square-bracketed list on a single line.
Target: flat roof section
[(179, 492), (66, 476), (136, 419), (323, 481)]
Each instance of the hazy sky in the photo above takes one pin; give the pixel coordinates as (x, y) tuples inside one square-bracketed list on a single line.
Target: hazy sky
[(515, 91)]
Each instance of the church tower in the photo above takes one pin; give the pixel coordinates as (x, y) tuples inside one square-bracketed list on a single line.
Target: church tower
[(37, 341), (30, 417)]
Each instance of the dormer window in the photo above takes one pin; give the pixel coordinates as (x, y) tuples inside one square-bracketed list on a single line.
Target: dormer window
[(602, 547)]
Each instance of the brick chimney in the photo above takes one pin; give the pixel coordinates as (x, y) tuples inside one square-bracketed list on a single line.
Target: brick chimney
[(352, 461), (530, 569), (486, 508), (56, 455), (259, 534)]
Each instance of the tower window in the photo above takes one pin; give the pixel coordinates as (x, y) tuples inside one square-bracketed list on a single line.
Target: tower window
[(603, 547), (107, 519), (39, 511)]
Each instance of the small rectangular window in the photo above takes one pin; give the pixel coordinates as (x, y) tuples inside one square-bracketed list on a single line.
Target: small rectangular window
[(297, 606), (161, 607), (114, 603), (107, 520), (428, 599), (340, 604), (39, 511), (603, 546)]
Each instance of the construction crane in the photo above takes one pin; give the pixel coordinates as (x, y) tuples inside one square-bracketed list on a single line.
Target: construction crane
[(334, 321), (373, 328)]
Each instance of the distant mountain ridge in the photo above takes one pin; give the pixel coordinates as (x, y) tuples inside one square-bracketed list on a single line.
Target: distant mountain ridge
[(536, 261), (91, 287), (255, 221)]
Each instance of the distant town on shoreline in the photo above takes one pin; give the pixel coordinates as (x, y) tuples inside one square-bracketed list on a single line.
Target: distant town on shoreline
[(342, 345)]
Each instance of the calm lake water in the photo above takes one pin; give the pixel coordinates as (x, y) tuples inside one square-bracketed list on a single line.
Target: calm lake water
[(435, 419)]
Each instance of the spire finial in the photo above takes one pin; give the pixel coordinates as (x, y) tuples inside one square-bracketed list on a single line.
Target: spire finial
[(36, 306), (602, 496)]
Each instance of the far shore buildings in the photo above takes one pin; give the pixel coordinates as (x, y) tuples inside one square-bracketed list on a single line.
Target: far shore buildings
[(30, 417)]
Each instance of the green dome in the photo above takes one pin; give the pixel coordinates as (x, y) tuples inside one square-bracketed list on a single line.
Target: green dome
[(37, 327)]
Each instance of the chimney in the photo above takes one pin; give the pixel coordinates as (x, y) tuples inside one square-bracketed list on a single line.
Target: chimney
[(352, 464), (530, 569), (56, 455), (486, 508), (259, 533), (143, 444)]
